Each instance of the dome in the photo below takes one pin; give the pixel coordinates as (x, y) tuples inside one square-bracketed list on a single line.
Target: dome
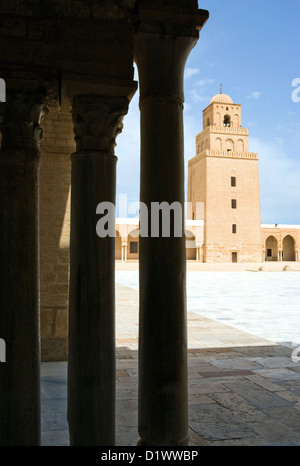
[(222, 99)]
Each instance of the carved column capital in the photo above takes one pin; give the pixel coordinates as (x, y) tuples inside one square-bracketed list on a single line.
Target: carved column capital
[(165, 35), (161, 60), (20, 120), (97, 121)]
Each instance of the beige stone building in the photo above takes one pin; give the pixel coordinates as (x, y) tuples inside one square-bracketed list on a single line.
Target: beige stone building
[(223, 215), (224, 176)]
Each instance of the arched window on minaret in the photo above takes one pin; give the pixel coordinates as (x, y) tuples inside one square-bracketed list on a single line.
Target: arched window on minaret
[(227, 120), (229, 145), (236, 121), (240, 146), (218, 144)]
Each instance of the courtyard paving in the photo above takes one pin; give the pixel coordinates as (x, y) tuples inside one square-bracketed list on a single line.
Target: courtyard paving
[(243, 390)]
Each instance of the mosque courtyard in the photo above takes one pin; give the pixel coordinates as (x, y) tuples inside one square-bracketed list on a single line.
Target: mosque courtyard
[(243, 358)]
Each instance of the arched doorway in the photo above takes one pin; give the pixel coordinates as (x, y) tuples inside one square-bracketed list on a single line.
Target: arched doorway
[(288, 248), (133, 245), (271, 249), (118, 246), (190, 245)]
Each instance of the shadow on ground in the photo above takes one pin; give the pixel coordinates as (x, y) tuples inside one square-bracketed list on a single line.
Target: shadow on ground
[(247, 395)]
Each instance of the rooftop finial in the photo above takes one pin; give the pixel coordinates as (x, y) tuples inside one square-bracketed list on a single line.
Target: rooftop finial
[(221, 88)]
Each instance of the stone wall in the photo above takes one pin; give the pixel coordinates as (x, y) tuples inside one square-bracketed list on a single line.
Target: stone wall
[(55, 179)]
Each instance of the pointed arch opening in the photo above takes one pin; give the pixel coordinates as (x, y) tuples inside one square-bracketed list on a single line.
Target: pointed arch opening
[(271, 248), (227, 121), (288, 249)]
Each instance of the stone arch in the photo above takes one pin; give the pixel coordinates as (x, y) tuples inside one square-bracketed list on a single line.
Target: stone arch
[(118, 246), (218, 144), (271, 248), (218, 119), (190, 244), (240, 147), (133, 245), (288, 248), (229, 145), (236, 120), (227, 120)]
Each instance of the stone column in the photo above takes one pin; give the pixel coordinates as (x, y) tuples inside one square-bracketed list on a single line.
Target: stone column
[(124, 251), (19, 269), (91, 368), (161, 53)]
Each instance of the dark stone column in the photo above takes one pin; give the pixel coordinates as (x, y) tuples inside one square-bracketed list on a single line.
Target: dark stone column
[(19, 269), (161, 52), (91, 367)]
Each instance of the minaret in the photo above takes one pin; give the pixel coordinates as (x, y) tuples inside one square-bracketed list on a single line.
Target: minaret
[(224, 176)]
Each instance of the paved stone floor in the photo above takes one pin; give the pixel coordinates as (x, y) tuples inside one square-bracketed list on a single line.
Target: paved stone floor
[(243, 390)]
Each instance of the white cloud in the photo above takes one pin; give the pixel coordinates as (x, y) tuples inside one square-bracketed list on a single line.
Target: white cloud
[(205, 81), (196, 97), (254, 95), (189, 72)]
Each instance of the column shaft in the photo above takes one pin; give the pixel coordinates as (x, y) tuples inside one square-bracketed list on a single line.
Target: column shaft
[(163, 402), (19, 271), (91, 367), (91, 381), (163, 340)]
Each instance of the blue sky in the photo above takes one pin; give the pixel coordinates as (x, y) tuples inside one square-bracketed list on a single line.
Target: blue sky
[(252, 48)]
